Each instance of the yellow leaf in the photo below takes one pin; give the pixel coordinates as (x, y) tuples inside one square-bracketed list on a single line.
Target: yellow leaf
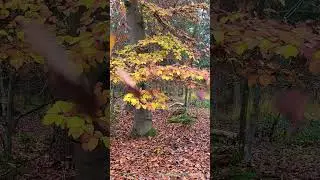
[(75, 122), (92, 143), (218, 36), (4, 13), (106, 141), (3, 56), (50, 119), (75, 132), (288, 51), (199, 77), (134, 101), (98, 134), (241, 48), (112, 41), (3, 33), (128, 96), (265, 45), (37, 58), (87, 3)]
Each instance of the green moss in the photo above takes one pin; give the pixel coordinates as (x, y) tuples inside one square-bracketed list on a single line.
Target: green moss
[(185, 119)]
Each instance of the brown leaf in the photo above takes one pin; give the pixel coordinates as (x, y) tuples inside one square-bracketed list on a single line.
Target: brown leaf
[(265, 79), (252, 80)]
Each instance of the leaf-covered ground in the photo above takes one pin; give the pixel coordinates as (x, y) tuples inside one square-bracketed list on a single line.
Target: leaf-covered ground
[(31, 153), (176, 152), (278, 160)]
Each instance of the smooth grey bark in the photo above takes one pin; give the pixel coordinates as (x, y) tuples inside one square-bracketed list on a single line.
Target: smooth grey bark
[(142, 118)]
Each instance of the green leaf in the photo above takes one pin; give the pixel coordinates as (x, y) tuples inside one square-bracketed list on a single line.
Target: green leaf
[(75, 122), (71, 40), (87, 3), (59, 121), (288, 51), (63, 106), (88, 128), (265, 45), (37, 58), (241, 48), (218, 36), (54, 110), (3, 33), (20, 35), (106, 141), (92, 143), (86, 43), (49, 119), (75, 132), (316, 55), (4, 13)]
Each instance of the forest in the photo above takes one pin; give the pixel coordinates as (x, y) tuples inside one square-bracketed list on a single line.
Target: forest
[(265, 90), (159, 89), (74, 107)]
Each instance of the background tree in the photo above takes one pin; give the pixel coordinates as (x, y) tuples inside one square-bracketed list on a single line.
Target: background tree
[(80, 28), (262, 54)]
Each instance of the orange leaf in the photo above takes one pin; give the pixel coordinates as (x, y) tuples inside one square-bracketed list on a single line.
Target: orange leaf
[(265, 80), (252, 80), (112, 42)]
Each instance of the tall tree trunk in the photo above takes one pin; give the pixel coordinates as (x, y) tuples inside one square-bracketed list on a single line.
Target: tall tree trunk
[(94, 164), (142, 118), (243, 115), (9, 115), (236, 98), (250, 125), (186, 99)]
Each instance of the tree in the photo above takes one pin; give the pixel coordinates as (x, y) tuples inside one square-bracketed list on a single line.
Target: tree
[(263, 52), (161, 56), (82, 35)]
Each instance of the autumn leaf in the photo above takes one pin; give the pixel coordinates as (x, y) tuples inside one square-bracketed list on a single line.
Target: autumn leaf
[(241, 48), (112, 41), (252, 80), (288, 51), (92, 143), (265, 80), (314, 66), (218, 36)]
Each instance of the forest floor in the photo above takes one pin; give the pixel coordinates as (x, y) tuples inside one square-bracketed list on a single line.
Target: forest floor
[(176, 152), (294, 158), (30, 151)]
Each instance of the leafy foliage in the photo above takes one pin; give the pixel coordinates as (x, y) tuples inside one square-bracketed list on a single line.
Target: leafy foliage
[(146, 66), (238, 35), (80, 127), (86, 45)]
